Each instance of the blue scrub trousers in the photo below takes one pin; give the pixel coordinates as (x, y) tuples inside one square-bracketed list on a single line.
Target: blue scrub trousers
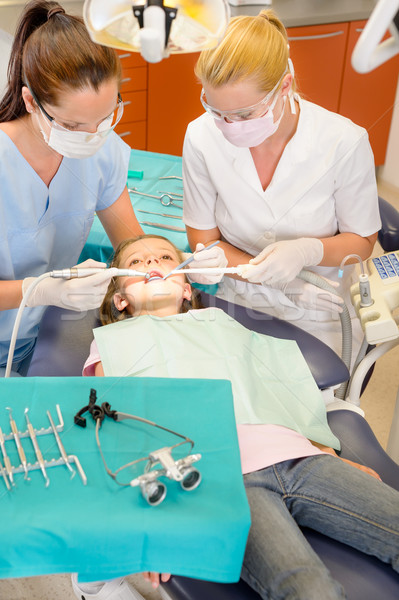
[(19, 368), (325, 494)]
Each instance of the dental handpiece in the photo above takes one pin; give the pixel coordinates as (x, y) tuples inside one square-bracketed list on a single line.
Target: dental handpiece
[(75, 272), (21, 452), (35, 444)]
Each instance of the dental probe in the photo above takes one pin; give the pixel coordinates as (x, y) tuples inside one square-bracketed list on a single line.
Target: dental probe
[(60, 445), (35, 444), (7, 462), (18, 444)]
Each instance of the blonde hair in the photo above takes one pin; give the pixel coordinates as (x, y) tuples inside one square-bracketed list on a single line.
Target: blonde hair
[(108, 311), (252, 48)]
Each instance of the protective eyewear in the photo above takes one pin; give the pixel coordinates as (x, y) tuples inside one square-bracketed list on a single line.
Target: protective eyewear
[(103, 129), (174, 462), (240, 114)]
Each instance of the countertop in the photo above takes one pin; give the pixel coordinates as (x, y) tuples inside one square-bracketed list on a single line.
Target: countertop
[(298, 13), (293, 13)]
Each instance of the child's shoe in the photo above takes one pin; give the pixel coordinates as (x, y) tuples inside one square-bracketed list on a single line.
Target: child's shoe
[(116, 589)]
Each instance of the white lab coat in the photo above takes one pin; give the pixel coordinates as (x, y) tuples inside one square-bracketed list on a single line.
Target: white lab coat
[(324, 183)]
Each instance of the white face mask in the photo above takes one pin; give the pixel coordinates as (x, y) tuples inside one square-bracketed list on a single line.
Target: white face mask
[(251, 132), (76, 144)]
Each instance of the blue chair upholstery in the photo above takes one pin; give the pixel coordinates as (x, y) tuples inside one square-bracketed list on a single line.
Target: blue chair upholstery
[(388, 236)]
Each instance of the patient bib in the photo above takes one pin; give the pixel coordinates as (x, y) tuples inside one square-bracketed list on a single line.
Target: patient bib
[(271, 381)]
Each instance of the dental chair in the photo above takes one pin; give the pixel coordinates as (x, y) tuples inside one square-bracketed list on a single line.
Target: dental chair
[(63, 346)]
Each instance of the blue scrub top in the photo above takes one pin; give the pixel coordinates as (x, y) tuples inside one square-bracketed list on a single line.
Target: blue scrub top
[(44, 228)]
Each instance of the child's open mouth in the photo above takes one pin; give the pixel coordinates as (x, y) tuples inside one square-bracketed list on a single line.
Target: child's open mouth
[(153, 276)]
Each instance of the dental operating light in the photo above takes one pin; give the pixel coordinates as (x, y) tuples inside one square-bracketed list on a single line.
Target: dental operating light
[(370, 51), (156, 28)]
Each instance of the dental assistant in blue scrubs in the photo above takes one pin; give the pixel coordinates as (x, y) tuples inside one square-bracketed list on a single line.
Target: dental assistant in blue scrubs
[(60, 163)]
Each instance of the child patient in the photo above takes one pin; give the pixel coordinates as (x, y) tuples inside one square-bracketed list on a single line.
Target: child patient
[(292, 474)]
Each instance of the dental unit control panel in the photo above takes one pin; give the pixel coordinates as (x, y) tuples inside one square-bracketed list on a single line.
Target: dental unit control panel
[(377, 320)]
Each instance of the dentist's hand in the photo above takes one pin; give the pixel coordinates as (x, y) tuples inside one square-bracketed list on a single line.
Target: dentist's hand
[(210, 257), (309, 296), (280, 263), (83, 293)]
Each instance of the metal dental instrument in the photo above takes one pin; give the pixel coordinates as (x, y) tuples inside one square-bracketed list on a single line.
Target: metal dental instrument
[(189, 259), (150, 212), (35, 444), (160, 226), (171, 194), (61, 446), (7, 462), (4, 472), (170, 200), (18, 444), (172, 177)]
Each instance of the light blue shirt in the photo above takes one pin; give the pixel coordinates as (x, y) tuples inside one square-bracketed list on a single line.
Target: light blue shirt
[(44, 228)]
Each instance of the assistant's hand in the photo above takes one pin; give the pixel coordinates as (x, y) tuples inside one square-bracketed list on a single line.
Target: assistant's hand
[(312, 297), (211, 257), (280, 263), (83, 293)]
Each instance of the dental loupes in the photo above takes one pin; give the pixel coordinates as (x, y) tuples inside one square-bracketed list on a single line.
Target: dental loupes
[(35, 444), (21, 452)]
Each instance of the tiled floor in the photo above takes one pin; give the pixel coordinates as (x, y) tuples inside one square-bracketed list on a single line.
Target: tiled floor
[(378, 401)]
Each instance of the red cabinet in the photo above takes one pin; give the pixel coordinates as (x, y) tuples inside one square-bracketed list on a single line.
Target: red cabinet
[(133, 125), (368, 99), (318, 56)]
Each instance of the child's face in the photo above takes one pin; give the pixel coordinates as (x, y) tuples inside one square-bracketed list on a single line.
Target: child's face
[(154, 295)]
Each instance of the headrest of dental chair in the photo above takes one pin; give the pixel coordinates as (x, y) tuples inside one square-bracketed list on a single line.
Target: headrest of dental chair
[(326, 367), (388, 236)]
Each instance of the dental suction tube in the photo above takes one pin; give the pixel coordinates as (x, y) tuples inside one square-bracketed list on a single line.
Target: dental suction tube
[(72, 273)]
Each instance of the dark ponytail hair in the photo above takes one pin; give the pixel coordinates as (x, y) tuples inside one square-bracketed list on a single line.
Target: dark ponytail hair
[(53, 52)]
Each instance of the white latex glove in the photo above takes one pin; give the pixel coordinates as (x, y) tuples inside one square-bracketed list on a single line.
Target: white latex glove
[(83, 293), (309, 296), (281, 262), (211, 257)]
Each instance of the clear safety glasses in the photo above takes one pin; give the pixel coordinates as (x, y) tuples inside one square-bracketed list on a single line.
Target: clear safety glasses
[(103, 129), (241, 114)]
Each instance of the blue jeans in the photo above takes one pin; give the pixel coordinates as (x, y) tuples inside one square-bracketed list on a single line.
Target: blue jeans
[(325, 494)]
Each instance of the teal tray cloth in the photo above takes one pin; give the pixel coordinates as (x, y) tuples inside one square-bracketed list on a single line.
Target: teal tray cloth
[(154, 166), (103, 530)]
